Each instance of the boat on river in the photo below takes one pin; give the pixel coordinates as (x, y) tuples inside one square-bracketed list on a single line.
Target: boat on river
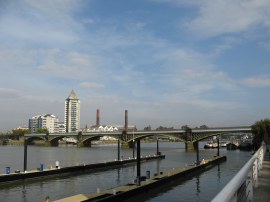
[(232, 146), (246, 146), (70, 140), (211, 145)]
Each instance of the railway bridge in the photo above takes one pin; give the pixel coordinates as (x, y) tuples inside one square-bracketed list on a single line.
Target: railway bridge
[(189, 136)]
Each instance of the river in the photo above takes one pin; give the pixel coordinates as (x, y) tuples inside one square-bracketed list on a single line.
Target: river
[(201, 187)]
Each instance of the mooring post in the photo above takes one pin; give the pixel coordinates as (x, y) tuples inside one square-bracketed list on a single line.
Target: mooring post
[(157, 147), (25, 155), (118, 156), (217, 146), (138, 158), (197, 151), (133, 145)]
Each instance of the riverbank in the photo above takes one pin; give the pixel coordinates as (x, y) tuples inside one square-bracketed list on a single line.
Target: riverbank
[(11, 142), (43, 143)]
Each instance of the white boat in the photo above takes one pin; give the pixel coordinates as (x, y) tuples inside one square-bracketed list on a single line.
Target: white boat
[(210, 145), (70, 140)]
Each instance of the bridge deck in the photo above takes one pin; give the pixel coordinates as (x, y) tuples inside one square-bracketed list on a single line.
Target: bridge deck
[(261, 193)]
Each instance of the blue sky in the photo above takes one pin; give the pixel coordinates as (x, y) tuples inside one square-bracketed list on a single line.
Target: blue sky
[(168, 62)]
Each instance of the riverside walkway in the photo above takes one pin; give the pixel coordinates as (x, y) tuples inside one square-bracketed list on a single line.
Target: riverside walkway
[(262, 192)]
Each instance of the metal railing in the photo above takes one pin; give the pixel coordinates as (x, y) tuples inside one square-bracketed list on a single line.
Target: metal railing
[(240, 188)]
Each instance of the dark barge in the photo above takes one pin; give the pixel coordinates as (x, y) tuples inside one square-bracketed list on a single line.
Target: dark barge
[(5, 178), (127, 191)]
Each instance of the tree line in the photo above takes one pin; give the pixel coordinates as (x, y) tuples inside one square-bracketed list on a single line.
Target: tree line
[(261, 131), (17, 133)]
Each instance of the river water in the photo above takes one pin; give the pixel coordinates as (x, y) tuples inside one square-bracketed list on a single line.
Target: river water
[(200, 187)]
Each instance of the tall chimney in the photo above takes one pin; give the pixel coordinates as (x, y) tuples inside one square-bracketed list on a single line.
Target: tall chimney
[(97, 118), (126, 120)]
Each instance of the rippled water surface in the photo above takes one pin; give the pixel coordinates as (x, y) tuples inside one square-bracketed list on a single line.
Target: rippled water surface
[(200, 187)]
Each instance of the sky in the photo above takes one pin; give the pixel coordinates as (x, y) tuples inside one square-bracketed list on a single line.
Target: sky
[(168, 62)]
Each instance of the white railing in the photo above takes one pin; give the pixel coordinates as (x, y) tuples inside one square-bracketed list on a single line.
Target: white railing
[(240, 188)]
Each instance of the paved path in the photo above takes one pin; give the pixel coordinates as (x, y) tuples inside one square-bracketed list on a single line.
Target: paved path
[(262, 192)]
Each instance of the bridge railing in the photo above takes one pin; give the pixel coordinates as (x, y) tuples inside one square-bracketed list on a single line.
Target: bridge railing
[(240, 188)]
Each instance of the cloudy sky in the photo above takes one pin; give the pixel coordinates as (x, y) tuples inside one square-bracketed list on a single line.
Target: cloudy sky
[(168, 62)]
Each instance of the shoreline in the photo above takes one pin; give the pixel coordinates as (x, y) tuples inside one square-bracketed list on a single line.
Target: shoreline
[(43, 143)]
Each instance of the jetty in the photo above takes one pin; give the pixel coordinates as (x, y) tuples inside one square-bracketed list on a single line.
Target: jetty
[(145, 183), (43, 173)]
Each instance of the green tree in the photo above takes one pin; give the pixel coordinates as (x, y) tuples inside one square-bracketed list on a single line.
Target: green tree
[(20, 131), (261, 131), (42, 130)]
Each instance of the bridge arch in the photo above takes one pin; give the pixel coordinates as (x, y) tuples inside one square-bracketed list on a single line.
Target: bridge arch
[(86, 141), (30, 140), (130, 141), (206, 137)]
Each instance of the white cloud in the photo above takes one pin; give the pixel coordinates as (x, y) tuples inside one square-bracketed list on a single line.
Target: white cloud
[(39, 22), (9, 93), (179, 2), (265, 45), (55, 8), (262, 81), (218, 17), (71, 65), (47, 51), (91, 85)]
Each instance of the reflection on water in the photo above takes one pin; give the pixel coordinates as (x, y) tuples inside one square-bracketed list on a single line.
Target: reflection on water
[(218, 173), (202, 187), (198, 185)]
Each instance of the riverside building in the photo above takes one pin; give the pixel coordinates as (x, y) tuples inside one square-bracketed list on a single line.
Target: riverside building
[(46, 121), (72, 113)]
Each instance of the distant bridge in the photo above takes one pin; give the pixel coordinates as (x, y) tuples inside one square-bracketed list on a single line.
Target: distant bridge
[(189, 136)]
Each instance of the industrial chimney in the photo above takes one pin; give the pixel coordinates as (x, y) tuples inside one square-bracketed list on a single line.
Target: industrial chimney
[(126, 120), (97, 118)]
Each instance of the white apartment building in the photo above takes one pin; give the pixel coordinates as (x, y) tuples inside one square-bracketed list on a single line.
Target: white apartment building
[(46, 121), (60, 127), (72, 113)]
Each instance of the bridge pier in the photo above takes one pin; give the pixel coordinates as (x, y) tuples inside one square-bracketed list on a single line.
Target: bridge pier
[(192, 146), (48, 143), (125, 144), (84, 144), (25, 155)]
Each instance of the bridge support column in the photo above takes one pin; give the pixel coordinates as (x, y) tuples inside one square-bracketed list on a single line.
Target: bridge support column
[(118, 150), (138, 159), (25, 155), (126, 144), (157, 147), (84, 144), (47, 143), (54, 144), (133, 147), (80, 144), (192, 146)]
